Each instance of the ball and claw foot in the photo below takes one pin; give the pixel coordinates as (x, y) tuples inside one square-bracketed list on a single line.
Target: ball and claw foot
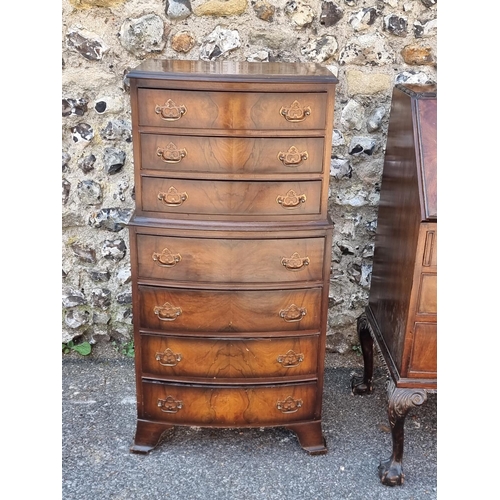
[(359, 385), (391, 473)]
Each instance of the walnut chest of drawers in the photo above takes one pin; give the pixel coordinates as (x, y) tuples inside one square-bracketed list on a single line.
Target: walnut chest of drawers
[(401, 316), (230, 245)]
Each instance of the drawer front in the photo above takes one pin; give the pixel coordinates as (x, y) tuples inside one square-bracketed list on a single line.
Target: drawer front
[(232, 110), (427, 298), (423, 361), (181, 310), (227, 406), (195, 154), (208, 197), (231, 260), (228, 358)]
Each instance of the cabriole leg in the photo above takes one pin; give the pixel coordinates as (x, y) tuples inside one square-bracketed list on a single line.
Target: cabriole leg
[(364, 384)]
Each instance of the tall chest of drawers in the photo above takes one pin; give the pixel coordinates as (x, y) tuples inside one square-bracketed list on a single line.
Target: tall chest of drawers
[(230, 245)]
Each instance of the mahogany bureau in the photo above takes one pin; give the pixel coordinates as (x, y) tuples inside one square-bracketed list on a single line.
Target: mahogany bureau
[(401, 317), (230, 245)]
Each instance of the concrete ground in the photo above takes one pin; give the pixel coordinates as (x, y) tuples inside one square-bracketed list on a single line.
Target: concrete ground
[(98, 426)]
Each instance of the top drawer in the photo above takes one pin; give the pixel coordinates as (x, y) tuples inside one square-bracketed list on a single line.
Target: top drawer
[(232, 110)]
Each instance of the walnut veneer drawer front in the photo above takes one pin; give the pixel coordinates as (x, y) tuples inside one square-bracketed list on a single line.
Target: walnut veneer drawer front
[(222, 406), (229, 358), (181, 310), (230, 260), (232, 110), (231, 155), (208, 197)]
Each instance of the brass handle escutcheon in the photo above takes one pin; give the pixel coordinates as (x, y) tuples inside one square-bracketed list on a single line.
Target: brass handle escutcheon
[(295, 262), (293, 313), (289, 405), (295, 113), (291, 199), (290, 359), (167, 312), (170, 111), (171, 153), (172, 197), (292, 158), (166, 258), (168, 357), (170, 404)]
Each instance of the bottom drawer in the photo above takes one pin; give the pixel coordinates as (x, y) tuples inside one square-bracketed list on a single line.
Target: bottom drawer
[(228, 406)]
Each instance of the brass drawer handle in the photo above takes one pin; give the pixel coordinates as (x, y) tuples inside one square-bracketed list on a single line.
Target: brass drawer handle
[(168, 357), (166, 258), (171, 153), (291, 199), (293, 313), (290, 359), (295, 262), (170, 404), (289, 405), (295, 113), (167, 312), (292, 158), (170, 111), (172, 197)]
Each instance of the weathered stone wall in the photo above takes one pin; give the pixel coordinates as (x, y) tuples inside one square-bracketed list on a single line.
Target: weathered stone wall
[(370, 45)]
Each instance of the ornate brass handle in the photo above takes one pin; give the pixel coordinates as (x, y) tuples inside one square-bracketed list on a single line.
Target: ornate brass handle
[(172, 197), (290, 359), (170, 111), (291, 199), (292, 158), (293, 313), (289, 405), (168, 357), (170, 404), (295, 113), (295, 262), (171, 153), (167, 312), (166, 258)]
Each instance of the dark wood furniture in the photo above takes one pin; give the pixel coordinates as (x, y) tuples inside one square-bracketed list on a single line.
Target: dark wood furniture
[(401, 316), (230, 245)]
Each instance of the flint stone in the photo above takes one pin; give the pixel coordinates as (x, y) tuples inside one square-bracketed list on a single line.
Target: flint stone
[(89, 192), (87, 163), (396, 25), (340, 168), (124, 275), (411, 78), (321, 48), (426, 29), (113, 159), (221, 8), (264, 10), (111, 219), (300, 13), (101, 298), (330, 15), (74, 107), (353, 115), (124, 298), (417, 56), (429, 3), (362, 20), (98, 276), (82, 132), (178, 9), (76, 319), (368, 251), (66, 186), (143, 35), (117, 130), (219, 42), (66, 157), (362, 145), (114, 250), (366, 274), (365, 50), (337, 138), (72, 298), (108, 104), (100, 318), (261, 56), (374, 121), (182, 42), (85, 43), (85, 254)]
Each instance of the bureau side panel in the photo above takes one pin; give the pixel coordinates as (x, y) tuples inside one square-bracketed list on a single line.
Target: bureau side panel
[(397, 231)]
